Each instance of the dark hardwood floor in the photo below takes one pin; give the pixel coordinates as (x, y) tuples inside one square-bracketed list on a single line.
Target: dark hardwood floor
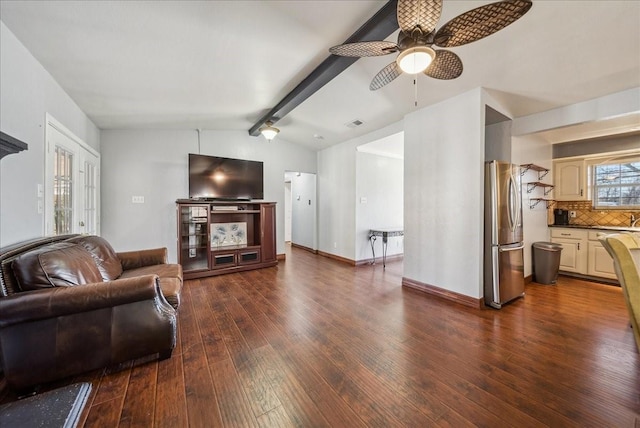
[(315, 342)]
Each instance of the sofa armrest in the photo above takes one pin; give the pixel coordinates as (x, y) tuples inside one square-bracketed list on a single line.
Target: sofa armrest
[(60, 301), (137, 259)]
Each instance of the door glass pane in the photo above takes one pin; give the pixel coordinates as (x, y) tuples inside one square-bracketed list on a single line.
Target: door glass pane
[(62, 192), (90, 194)]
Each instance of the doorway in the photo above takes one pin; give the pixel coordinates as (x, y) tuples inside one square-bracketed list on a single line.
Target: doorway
[(300, 228), (72, 183)]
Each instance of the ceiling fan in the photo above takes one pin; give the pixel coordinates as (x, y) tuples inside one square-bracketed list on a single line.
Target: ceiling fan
[(417, 20)]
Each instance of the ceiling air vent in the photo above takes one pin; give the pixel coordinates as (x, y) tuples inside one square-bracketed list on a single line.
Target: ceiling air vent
[(354, 123)]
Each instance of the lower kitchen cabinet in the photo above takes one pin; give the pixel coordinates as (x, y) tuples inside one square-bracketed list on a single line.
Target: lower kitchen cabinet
[(574, 249), (582, 253), (599, 262)]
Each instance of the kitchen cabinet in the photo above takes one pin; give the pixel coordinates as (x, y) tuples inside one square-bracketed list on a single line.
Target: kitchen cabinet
[(599, 262), (573, 257), (570, 180)]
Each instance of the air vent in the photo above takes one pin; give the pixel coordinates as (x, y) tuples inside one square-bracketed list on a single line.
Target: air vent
[(354, 123)]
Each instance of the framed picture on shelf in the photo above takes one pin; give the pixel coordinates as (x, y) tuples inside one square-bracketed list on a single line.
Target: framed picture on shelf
[(228, 234)]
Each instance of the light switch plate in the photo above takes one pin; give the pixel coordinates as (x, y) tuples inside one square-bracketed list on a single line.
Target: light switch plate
[(137, 199)]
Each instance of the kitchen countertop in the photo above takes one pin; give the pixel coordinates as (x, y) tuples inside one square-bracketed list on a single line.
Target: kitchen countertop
[(598, 227)]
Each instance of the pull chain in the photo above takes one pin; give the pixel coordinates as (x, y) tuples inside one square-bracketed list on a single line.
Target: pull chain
[(415, 91)]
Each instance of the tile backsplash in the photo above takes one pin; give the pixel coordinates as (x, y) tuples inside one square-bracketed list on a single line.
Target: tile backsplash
[(587, 216)]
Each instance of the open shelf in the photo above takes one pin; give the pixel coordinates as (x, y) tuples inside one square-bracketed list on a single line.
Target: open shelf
[(533, 167), (547, 187), (533, 202)]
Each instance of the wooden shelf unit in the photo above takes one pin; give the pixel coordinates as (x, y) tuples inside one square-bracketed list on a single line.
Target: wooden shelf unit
[(198, 253)]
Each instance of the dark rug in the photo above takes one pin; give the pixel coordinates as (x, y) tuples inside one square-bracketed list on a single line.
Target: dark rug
[(60, 407)]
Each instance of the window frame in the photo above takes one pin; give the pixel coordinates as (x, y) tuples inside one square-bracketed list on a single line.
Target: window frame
[(594, 185)]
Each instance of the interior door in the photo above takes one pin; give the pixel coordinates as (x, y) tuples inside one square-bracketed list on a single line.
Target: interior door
[(72, 183), (88, 209)]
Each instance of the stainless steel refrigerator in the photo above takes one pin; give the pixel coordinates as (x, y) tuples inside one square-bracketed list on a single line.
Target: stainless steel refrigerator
[(503, 242)]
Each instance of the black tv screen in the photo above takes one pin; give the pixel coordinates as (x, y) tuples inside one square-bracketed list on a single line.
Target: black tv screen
[(213, 177)]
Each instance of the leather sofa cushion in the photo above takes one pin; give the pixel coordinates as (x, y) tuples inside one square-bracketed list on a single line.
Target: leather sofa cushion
[(103, 254), (62, 264), (170, 280)]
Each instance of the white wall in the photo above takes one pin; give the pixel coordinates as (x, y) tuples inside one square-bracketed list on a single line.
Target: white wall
[(303, 210), (154, 164), (380, 180), (443, 204), (337, 193), (27, 93), (532, 149)]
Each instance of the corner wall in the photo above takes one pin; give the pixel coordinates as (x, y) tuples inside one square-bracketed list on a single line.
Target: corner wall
[(443, 204), (27, 93)]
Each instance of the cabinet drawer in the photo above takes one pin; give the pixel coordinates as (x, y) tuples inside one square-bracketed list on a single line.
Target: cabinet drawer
[(557, 232), (223, 259), (249, 256)]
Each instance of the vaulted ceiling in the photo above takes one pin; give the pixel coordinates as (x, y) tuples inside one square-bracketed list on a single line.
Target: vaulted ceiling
[(223, 64)]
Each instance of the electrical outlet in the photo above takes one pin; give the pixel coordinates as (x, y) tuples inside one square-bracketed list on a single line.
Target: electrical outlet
[(572, 214)]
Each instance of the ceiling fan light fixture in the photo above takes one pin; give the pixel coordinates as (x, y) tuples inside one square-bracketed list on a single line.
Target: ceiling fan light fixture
[(269, 131), (416, 59)]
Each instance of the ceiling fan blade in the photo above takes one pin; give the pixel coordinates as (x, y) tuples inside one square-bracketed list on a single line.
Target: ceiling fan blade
[(385, 76), (445, 66), (480, 22), (363, 49), (423, 13)]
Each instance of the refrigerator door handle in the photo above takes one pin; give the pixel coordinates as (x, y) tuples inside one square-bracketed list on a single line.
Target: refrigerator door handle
[(518, 201), (502, 249), (511, 211)]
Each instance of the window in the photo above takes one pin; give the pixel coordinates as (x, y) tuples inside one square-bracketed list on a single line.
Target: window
[(617, 185), (62, 192)]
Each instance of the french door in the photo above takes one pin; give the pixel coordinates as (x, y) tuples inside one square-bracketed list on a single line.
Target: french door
[(72, 183)]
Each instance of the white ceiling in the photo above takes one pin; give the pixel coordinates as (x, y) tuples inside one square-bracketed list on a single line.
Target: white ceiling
[(223, 64)]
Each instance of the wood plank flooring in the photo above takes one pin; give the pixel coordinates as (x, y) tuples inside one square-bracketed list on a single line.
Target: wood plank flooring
[(315, 342)]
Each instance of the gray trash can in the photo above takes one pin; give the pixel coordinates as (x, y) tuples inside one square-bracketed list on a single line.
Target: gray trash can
[(546, 262)]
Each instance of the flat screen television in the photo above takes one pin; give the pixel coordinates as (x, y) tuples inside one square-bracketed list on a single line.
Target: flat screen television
[(213, 177)]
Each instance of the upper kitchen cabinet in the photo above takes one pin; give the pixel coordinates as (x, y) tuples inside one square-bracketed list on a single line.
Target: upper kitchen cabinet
[(570, 180)]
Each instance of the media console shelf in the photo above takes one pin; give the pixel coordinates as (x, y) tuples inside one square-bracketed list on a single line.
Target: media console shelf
[(225, 236)]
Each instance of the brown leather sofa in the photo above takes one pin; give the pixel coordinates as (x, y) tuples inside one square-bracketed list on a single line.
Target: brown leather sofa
[(70, 304)]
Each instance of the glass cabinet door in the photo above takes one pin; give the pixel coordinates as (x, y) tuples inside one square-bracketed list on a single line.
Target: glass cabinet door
[(194, 236)]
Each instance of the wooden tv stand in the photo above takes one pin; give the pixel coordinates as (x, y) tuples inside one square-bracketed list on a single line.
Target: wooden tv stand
[(218, 237)]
